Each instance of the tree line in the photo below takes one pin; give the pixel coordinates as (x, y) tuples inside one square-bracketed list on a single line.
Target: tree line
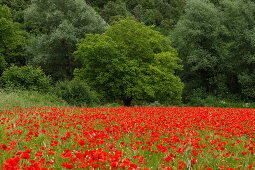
[(134, 51)]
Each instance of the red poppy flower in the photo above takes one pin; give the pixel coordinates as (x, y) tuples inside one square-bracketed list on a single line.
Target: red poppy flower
[(68, 166), (3, 147), (25, 155), (81, 142)]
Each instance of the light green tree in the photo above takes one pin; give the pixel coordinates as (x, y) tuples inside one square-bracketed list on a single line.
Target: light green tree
[(12, 40), (60, 25), (130, 62)]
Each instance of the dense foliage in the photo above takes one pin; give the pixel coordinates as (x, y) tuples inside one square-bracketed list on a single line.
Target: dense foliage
[(59, 26), (162, 13), (130, 62), (12, 40), (25, 78), (216, 43), (17, 8)]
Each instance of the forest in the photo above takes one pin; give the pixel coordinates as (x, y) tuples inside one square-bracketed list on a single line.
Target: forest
[(130, 52)]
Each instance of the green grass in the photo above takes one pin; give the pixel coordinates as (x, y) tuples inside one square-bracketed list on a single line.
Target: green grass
[(24, 99)]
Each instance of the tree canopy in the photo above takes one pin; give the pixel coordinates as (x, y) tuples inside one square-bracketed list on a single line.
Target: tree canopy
[(216, 43), (59, 25), (115, 10), (164, 14), (17, 8), (12, 40), (130, 62)]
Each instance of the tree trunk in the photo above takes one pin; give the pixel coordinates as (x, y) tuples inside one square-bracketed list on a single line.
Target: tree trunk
[(127, 101)]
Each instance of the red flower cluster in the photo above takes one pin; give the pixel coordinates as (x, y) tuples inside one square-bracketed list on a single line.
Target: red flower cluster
[(45, 138)]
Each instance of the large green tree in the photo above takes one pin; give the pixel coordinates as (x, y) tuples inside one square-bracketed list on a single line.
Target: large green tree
[(239, 20), (130, 62), (59, 26), (216, 43), (12, 40)]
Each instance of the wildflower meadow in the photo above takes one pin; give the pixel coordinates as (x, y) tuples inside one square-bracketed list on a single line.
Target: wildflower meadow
[(41, 138)]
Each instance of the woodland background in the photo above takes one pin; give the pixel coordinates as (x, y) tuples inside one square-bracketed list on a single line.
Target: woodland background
[(128, 52)]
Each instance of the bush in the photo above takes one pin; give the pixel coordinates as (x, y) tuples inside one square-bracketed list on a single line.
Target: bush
[(25, 78), (76, 93), (199, 98)]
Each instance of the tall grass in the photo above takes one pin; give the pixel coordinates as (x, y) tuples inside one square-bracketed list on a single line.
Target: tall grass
[(23, 99)]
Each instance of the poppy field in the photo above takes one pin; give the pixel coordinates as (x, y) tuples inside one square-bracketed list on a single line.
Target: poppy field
[(41, 138)]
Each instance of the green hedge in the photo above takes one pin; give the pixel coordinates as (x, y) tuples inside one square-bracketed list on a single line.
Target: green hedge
[(76, 93)]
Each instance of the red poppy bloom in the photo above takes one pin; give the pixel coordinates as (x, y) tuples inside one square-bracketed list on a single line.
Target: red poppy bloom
[(81, 142), (25, 155), (3, 147)]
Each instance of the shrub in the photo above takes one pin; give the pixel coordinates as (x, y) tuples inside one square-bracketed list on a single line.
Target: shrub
[(76, 93), (26, 78), (199, 98)]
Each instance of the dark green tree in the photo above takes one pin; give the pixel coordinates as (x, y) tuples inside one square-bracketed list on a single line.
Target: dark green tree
[(97, 3), (216, 43), (195, 37), (238, 17), (60, 25), (164, 14), (130, 62), (161, 13), (114, 11)]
